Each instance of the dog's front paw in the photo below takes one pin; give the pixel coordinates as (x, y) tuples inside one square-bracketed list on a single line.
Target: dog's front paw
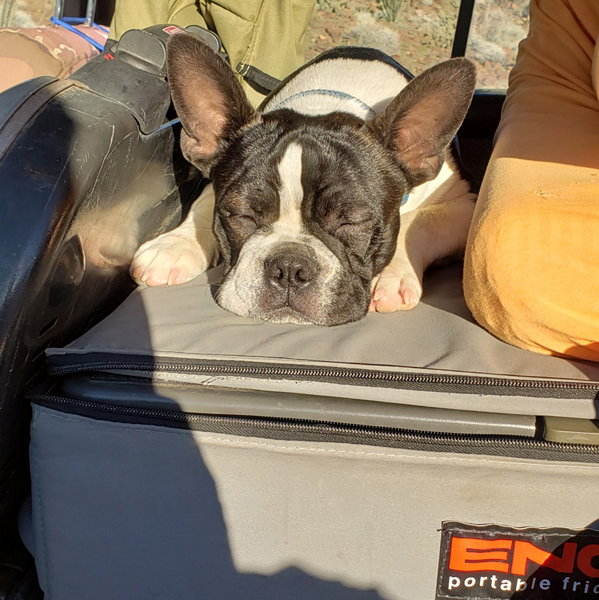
[(395, 289), (170, 259)]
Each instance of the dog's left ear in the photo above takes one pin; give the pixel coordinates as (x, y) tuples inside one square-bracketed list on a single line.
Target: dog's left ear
[(208, 99), (421, 121)]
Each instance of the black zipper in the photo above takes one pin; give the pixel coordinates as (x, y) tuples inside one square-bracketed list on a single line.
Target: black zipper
[(320, 431), (447, 383)]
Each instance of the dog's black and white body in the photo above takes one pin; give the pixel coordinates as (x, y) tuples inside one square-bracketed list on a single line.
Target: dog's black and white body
[(306, 193)]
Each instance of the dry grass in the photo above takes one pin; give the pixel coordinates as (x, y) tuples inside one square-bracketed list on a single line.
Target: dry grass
[(390, 9), (419, 33)]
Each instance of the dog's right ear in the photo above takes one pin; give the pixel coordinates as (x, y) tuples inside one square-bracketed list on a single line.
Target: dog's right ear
[(207, 97)]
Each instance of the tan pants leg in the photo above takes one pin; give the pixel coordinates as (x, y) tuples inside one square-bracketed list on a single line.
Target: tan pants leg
[(531, 273)]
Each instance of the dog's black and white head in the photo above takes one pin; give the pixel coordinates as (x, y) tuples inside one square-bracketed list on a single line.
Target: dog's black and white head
[(307, 205)]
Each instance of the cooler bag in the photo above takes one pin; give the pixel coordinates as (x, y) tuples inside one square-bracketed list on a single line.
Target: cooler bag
[(180, 451)]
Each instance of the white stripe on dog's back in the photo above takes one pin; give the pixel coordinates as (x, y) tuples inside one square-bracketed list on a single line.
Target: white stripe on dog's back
[(291, 192), (372, 82)]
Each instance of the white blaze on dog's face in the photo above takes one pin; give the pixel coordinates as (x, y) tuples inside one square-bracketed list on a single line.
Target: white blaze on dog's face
[(307, 206)]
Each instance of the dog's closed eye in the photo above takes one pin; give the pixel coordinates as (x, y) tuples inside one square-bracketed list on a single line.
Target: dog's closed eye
[(356, 235), (237, 212), (353, 217), (241, 224), (246, 219), (347, 223)]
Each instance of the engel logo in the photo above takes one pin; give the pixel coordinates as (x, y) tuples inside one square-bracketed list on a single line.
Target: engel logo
[(514, 557), (496, 562), (470, 554)]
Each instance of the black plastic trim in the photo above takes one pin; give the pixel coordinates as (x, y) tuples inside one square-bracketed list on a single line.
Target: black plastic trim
[(462, 28)]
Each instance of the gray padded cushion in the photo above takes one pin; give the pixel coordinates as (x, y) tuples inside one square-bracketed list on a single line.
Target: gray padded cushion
[(439, 333)]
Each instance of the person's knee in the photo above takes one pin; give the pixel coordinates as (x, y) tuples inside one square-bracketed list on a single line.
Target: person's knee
[(531, 262)]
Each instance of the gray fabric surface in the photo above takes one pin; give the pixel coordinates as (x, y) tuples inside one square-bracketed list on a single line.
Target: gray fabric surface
[(438, 334)]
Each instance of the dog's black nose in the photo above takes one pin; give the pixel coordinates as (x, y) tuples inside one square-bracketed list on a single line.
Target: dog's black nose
[(290, 270)]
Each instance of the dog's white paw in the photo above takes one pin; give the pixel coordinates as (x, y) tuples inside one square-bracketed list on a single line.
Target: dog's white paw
[(396, 289), (170, 259)]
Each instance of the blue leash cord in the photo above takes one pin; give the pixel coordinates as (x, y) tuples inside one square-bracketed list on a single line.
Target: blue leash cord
[(65, 23), (168, 124)]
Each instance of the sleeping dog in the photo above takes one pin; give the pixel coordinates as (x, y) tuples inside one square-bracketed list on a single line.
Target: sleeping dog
[(306, 193)]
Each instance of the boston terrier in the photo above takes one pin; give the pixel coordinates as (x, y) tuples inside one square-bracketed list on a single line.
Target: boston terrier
[(329, 200)]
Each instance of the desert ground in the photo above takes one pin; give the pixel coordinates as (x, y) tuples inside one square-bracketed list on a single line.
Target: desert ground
[(419, 33)]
